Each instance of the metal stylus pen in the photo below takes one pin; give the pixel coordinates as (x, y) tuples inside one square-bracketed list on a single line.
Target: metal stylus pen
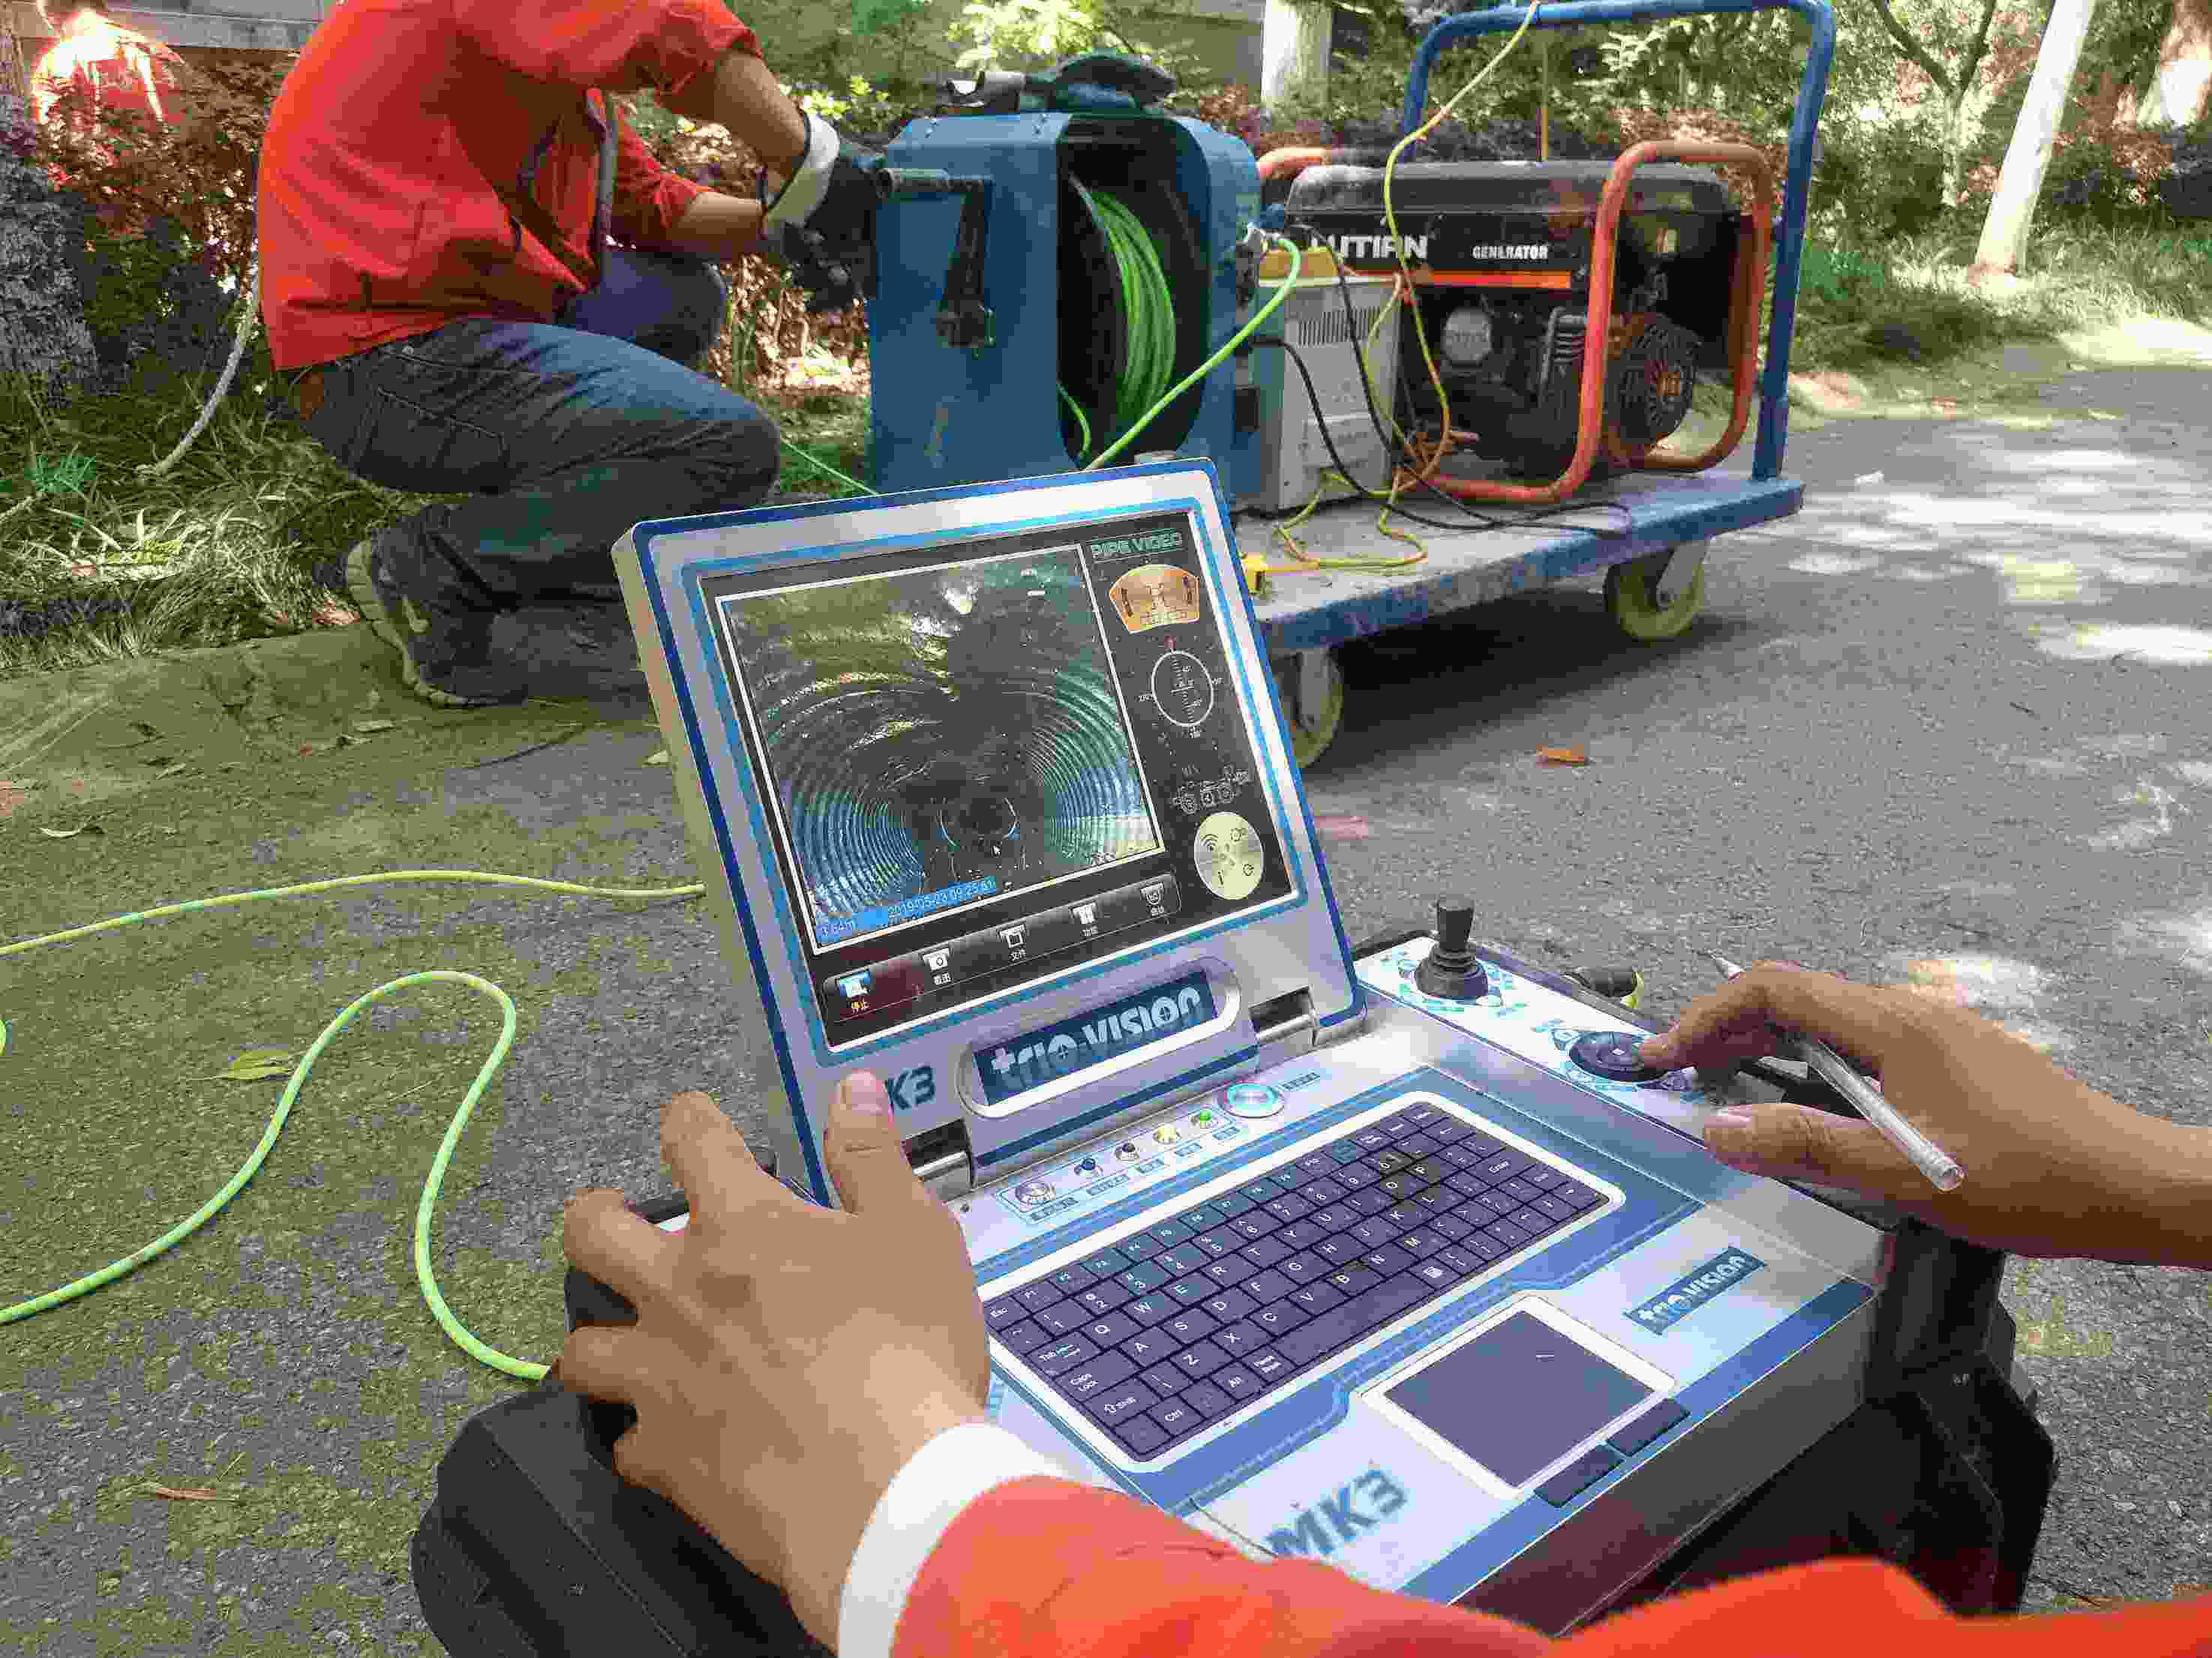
[(1930, 1158)]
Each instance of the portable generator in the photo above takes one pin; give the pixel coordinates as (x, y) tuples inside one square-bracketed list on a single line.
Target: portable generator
[(1506, 262)]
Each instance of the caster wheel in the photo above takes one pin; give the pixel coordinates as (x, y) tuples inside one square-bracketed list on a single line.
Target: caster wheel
[(1312, 702), (1630, 600)]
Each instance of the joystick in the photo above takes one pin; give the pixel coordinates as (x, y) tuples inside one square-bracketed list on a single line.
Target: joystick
[(1450, 972)]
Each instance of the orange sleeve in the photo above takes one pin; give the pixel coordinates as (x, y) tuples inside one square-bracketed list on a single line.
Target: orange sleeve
[(648, 198), (661, 44), (1041, 1568)]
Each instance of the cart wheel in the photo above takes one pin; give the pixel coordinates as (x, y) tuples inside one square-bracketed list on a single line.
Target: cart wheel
[(1310, 688), (1630, 601)]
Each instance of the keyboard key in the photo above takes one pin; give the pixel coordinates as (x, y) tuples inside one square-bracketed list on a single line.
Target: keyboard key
[(1534, 1221), (1264, 1287), (1279, 1320), (997, 1314), (1316, 1297), (1201, 1359), (1399, 1189), (1190, 1326), (1142, 1435), (1385, 1163), (1342, 1153), (1586, 1470), (1304, 1268), (1419, 1244), (1087, 1381), (1228, 1306), (1129, 1400), (1219, 1242), (1375, 1233), (1403, 1215), (1234, 1380), (1465, 1262), (1437, 1199), (1369, 1202), (1459, 1157), (1230, 1271), (1068, 1279), (1024, 1337), (1419, 1145), (1488, 1247), (1505, 1165), (1518, 1188), (1111, 1331), (1341, 1326), (1482, 1145), (1301, 1235), (1103, 1296), (1321, 1193), (1255, 1225), (1106, 1263), (1177, 1418), (1148, 1347), (1185, 1292), (1448, 1128), (1144, 1275), (1270, 1366), (1062, 1356), (1541, 1177), (1429, 1170), (1575, 1193), (1388, 1261), (1335, 1219), (1140, 1246), (1207, 1398), (1353, 1281), (1398, 1125), (1149, 1310), (1183, 1258), (1233, 1204), (1648, 1427), (1371, 1140), (1266, 1251), (1236, 1338), (1318, 1165), (1356, 1177), (1559, 1208), (1340, 1251), (1449, 1227), (1288, 1207), (1436, 1274), (1263, 1189), (1037, 1296), (1508, 1234), (1065, 1318), (1421, 1115), (1466, 1185), (1165, 1380), (1168, 1233), (1497, 1204)]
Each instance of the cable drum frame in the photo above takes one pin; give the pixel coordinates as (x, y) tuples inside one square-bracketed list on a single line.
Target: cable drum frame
[(1123, 160)]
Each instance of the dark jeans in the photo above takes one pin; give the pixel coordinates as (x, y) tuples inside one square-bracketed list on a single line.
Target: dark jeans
[(567, 433)]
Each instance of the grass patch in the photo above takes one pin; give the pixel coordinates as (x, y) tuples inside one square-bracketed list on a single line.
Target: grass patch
[(223, 547)]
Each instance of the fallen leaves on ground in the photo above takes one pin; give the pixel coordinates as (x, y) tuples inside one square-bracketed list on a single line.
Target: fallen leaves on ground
[(64, 835), (1562, 757), (1342, 829), (256, 1064)]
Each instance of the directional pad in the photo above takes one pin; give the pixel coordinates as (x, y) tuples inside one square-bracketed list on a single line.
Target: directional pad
[(1613, 1055)]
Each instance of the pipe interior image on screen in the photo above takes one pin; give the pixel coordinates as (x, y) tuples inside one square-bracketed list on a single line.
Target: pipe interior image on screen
[(974, 762)]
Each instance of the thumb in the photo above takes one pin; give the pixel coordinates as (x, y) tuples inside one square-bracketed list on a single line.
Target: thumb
[(866, 1159), (1795, 1142)]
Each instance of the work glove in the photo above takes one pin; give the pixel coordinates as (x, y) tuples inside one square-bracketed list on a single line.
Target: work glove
[(821, 223)]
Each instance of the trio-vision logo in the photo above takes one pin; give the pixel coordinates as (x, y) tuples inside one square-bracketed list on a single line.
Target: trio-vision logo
[(1051, 1052), (1678, 1301)]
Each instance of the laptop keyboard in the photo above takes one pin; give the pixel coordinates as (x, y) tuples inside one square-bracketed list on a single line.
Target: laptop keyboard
[(1203, 1310)]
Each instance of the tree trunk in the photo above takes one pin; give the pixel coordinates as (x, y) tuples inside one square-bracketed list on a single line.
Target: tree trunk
[(42, 327), (2004, 235), (2178, 92), (1294, 52), (1956, 130)]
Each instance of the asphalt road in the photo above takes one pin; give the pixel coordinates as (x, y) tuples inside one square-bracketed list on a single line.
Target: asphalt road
[(1946, 723)]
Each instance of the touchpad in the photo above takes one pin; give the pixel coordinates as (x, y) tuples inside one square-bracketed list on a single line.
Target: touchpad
[(1518, 1397)]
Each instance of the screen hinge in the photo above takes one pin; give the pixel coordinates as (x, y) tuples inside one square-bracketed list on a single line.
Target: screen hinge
[(1286, 1022), (940, 1159)]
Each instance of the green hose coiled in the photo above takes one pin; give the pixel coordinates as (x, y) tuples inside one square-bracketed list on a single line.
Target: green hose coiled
[(1148, 304)]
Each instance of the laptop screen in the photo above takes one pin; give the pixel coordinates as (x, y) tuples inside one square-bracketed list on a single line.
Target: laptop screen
[(990, 759)]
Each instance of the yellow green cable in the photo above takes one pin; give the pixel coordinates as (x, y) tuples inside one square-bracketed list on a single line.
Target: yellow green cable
[(525, 1369)]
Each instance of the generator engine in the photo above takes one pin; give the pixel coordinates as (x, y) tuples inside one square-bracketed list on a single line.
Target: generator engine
[(1500, 256)]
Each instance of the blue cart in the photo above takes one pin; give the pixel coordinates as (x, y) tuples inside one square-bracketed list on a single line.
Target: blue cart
[(1655, 574)]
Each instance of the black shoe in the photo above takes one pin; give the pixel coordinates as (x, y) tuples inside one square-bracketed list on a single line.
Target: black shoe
[(445, 653)]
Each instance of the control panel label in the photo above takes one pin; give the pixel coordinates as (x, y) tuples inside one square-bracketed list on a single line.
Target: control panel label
[(1051, 1053), (1155, 596), (1340, 1518), (1680, 1299)]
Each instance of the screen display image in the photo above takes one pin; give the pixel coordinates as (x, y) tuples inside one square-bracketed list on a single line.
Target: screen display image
[(986, 761), (940, 738)]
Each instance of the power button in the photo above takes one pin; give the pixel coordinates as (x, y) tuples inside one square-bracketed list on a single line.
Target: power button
[(1251, 1100)]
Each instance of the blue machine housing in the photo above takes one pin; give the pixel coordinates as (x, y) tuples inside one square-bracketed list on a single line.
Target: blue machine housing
[(950, 414)]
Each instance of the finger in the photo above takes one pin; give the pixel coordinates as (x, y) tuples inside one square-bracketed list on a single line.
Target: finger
[(707, 1154), (600, 1236), (615, 1362), (1792, 1142), (1739, 1018), (863, 1150)]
